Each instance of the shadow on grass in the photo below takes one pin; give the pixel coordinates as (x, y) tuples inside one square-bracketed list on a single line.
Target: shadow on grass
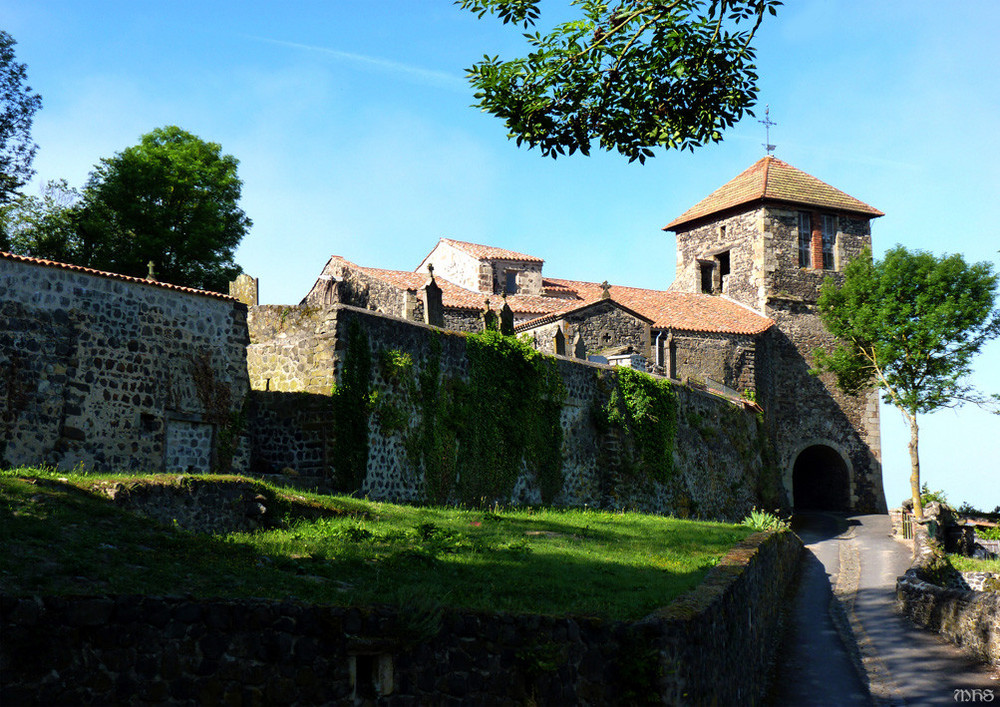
[(61, 539)]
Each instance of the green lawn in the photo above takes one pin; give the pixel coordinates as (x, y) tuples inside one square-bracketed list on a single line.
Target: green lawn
[(61, 537), (970, 564)]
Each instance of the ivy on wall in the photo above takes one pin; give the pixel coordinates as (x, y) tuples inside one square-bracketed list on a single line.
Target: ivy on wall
[(351, 411), (471, 437), (644, 409), (512, 410)]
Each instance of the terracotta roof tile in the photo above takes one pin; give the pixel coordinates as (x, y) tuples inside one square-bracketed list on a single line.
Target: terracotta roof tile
[(770, 179), (487, 252), (456, 297), (114, 276), (677, 310), (666, 310)]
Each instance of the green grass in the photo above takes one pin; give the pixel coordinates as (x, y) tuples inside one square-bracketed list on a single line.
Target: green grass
[(59, 536), (971, 564)]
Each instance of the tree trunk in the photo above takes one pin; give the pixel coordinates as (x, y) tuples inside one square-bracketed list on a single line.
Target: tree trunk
[(918, 509)]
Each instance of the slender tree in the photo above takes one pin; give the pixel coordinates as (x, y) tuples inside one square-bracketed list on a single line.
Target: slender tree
[(911, 323), (18, 104), (631, 74)]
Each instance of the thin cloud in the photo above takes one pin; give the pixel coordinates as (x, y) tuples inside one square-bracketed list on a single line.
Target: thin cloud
[(408, 71)]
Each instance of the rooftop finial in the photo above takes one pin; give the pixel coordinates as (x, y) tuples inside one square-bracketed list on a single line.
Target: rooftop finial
[(767, 123)]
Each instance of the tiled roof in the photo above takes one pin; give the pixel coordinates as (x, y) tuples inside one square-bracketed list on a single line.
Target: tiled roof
[(487, 252), (456, 297), (666, 310), (678, 310), (114, 276), (770, 179)]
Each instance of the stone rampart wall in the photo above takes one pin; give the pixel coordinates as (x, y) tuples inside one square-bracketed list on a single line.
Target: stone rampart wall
[(969, 619), (722, 466), (115, 373), (711, 647)]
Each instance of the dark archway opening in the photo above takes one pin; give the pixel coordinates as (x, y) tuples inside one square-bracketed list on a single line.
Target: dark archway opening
[(819, 480)]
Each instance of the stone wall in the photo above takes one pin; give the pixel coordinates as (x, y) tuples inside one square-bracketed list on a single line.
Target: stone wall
[(117, 373), (730, 359), (969, 619), (713, 646), (722, 461), (739, 235)]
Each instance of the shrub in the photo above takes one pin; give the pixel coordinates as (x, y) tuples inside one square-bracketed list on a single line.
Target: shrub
[(762, 520)]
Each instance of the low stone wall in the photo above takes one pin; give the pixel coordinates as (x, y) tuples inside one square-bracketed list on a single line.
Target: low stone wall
[(969, 619), (210, 505), (710, 647)]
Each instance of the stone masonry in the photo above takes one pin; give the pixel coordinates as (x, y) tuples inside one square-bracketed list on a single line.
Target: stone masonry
[(117, 373)]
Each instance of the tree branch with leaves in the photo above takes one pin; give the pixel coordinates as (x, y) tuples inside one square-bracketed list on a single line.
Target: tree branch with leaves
[(910, 324), (632, 75)]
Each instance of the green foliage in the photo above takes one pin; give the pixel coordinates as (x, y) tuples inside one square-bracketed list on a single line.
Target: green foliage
[(645, 409), (435, 443), (988, 533), (763, 520), (351, 410), (511, 411), (911, 323), (173, 200), (47, 225), (928, 496), (18, 104), (632, 75)]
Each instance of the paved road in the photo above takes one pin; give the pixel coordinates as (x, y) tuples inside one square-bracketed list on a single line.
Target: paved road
[(857, 651)]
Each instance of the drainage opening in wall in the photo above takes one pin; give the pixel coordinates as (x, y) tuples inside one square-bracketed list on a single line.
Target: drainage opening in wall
[(820, 480), (371, 675)]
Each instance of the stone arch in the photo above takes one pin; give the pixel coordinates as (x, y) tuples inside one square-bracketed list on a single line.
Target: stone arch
[(821, 478)]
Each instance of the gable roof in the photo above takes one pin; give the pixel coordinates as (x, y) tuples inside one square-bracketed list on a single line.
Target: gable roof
[(488, 252), (677, 310), (556, 316), (770, 179), (114, 276), (664, 310)]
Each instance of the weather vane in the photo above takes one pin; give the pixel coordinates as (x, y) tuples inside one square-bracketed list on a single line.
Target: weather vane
[(767, 123)]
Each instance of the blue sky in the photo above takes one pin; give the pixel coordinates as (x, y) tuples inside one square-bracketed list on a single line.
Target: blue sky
[(355, 135)]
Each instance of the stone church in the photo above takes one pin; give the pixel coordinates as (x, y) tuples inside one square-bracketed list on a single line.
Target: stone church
[(739, 318)]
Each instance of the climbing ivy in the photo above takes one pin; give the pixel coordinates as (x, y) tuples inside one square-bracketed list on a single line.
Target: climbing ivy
[(644, 408), (351, 410), (511, 412)]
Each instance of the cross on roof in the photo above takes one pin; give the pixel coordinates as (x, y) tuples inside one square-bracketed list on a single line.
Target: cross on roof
[(767, 123)]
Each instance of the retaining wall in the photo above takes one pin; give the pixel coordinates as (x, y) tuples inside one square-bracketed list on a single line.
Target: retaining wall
[(710, 647), (969, 619)]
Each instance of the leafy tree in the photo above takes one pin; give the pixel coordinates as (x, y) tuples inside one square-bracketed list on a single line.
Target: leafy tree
[(46, 226), (911, 323), (631, 74), (173, 200), (18, 104)]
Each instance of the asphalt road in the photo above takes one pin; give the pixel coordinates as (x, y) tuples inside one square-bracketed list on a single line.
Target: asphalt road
[(855, 650)]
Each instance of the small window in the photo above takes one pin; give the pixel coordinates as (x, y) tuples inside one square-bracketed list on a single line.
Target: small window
[(829, 240), (805, 239), (510, 282), (707, 269), (723, 259)]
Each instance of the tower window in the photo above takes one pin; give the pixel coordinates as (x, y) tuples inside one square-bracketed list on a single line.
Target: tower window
[(805, 239), (510, 282), (723, 259), (829, 239), (707, 268)]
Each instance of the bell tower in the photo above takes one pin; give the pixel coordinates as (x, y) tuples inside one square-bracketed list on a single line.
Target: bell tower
[(768, 239)]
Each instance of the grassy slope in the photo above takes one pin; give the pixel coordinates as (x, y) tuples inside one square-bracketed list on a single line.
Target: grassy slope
[(59, 536)]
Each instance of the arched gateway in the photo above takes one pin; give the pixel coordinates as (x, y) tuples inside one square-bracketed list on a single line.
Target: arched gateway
[(820, 480)]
